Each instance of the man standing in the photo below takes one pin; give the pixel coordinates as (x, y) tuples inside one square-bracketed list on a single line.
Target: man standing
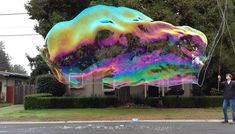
[(229, 96)]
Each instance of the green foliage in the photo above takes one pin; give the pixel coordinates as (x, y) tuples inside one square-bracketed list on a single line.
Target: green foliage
[(38, 67), (192, 102), (32, 100), (18, 69), (109, 52), (48, 84), (4, 59), (150, 101), (216, 92), (43, 101), (49, 12), (176, 90), (197, 91), (153, 102), (202, 15)]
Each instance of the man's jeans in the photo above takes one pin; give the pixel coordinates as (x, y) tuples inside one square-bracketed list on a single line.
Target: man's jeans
[(232, 105)]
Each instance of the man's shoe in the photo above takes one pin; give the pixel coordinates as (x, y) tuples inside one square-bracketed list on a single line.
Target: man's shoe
[(224, 122)]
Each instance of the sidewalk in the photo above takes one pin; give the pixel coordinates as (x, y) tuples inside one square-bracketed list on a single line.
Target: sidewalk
[(113, 121)]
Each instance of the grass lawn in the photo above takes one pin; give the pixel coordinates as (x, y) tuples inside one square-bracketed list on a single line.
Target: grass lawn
[(4, 105), (17, 113)]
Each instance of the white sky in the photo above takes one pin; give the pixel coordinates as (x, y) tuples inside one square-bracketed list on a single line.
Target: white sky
[(18, 46)]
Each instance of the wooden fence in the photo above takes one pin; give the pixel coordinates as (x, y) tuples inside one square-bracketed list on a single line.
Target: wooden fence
[(21, 91)]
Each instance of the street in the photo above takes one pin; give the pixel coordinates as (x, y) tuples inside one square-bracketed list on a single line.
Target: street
[(120, 128)]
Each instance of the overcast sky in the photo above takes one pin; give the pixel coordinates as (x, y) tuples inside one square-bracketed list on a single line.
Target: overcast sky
[(18, 46)]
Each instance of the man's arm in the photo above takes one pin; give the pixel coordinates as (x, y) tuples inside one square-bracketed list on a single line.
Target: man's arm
[(221, 84), (233, 83)]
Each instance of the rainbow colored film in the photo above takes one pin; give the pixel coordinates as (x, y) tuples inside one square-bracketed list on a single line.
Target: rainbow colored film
[(123, 47)]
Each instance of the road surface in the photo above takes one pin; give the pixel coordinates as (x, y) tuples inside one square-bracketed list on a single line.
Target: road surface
[(120, 128)]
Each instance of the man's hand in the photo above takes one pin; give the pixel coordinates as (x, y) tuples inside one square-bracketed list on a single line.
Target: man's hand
[(219, 77)]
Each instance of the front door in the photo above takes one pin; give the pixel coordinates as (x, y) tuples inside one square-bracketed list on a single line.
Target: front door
[(10, 94)]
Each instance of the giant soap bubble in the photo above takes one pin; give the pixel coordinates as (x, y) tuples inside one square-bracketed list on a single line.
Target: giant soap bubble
[(124, 47)]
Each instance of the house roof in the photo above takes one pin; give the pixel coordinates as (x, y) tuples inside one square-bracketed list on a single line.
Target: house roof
[(13, 75)]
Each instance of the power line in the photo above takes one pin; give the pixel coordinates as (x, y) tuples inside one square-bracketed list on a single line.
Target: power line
[(8, 35), (16, 27), (6, 14)]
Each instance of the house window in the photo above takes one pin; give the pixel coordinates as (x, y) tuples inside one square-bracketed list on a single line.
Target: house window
[(17, 82), (153, 91), (108, 90)]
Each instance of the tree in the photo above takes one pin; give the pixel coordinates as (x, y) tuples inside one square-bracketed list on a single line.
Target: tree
[(5, 64), (18, 69), (49, 12), (202, 15), (38, 67), (4, 59)]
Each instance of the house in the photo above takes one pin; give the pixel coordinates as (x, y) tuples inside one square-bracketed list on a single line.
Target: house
[(90, 87), (8, 82)]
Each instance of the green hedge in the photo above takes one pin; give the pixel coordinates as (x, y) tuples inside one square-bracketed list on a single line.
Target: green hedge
[(42, 101), (150, 101), (32, 101), (181, 102), (192, 102)]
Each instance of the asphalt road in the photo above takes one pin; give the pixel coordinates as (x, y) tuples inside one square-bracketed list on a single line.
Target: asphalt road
[(120, 128)]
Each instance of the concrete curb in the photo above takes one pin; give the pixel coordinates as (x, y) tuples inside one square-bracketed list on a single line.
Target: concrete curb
[(113, 121)]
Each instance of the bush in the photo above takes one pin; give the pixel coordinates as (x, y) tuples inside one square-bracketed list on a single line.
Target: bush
[(42, 101), (216, 92), (32, 101), (150, 101), (137, 101), (176, 90), (48, 84), (192, 102), (197, 91), (153, 102)]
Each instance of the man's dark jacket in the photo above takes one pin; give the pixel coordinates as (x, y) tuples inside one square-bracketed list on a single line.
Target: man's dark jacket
[(229, 89)]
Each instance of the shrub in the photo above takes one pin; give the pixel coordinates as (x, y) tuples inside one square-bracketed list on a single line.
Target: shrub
[(192, 102), (137, 100), (216, 92), (153, 102), (41, 101), (197, 91), (175, 90), (48, 84), (150, 101), (32, 101), (174, 102)]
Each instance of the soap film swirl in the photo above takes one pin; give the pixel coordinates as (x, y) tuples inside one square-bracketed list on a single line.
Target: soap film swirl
[(124, 47)]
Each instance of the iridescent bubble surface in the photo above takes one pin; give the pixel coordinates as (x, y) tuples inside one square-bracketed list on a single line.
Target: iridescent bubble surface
[(124, 47)]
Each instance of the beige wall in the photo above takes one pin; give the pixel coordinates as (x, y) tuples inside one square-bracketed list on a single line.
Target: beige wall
[(4, 87), (137, 91), (187, 90), (95, 87), (90, 88), (8, 82)]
